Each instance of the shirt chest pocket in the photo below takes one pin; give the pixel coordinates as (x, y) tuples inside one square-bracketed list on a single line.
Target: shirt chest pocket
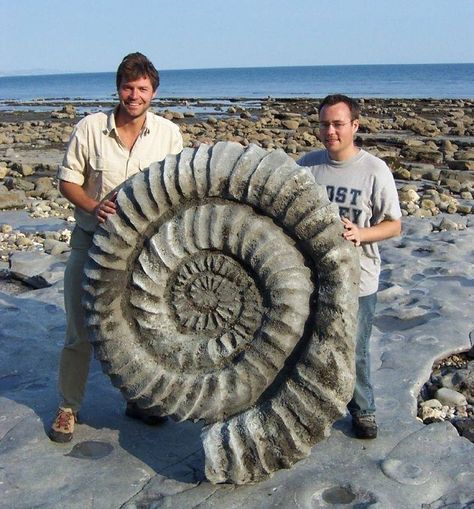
[(98, 163), (102, 178)]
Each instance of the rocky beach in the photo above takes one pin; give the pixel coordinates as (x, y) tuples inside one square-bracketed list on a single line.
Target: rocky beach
[(423, 339), (428, 144)]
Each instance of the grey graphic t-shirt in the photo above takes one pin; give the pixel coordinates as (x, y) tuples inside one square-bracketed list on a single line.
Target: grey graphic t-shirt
[(364, 189)]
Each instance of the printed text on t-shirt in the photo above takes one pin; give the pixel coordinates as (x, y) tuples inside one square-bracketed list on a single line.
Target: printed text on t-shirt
[(347, 199)]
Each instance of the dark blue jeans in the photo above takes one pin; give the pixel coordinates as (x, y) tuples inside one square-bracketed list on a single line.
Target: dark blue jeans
[(362, 402)]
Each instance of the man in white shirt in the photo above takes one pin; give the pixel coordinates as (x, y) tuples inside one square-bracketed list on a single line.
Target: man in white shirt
[(104, 150)]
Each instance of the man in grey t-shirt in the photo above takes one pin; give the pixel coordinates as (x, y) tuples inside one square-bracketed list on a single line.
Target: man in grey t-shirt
[(363, 187)]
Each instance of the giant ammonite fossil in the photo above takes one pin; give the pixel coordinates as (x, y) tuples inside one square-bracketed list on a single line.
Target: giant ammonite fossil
[(223, 291)]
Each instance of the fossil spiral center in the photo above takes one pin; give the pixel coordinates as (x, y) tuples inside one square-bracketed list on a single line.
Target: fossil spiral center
[(211, 291), (206, 291)]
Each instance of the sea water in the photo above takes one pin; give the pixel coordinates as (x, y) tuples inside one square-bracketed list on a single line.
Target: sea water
[(442, 81)]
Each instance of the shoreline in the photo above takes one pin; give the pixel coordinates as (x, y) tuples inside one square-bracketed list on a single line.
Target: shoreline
[(231, 107), (47, 105)]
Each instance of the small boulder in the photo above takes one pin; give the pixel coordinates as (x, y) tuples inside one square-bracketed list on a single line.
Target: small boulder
[(290, 124), (15, 199), (450, 397)]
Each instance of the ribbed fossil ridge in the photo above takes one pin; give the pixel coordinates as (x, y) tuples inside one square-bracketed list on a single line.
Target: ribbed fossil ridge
[(222, 290)]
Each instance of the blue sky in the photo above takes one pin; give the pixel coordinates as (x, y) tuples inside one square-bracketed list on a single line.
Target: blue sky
[(76, 36)]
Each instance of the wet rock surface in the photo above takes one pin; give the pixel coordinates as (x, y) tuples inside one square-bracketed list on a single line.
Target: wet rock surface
[(114, 461)]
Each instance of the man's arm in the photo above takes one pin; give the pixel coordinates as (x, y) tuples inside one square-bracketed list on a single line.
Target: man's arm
[(386, 229), (78, 197)]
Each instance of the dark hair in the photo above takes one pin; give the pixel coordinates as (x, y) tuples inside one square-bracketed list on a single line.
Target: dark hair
[(135, 66), (331, 100)]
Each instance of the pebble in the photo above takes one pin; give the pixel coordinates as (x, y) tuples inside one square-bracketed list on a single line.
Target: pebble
[(431, 403)]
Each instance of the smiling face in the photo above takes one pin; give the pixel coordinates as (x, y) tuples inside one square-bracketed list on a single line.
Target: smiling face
[(135, 98), (339, 140)]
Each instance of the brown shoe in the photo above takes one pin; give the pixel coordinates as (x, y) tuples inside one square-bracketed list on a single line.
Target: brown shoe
[(135, 412), (63, 425)]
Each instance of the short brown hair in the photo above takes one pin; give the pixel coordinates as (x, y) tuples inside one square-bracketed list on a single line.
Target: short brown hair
[(331, 100), (135, 66)]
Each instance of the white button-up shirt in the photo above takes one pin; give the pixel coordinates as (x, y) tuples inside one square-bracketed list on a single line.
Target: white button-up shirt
[(97, 160)]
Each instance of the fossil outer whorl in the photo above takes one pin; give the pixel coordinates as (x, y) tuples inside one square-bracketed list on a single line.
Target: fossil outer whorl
[(222, 290)]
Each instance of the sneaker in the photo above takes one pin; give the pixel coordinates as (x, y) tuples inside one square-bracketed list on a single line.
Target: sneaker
[(135, 412), (63, 425), (364, 426)]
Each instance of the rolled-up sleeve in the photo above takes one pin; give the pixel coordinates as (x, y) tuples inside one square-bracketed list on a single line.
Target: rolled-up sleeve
[(75, 159)]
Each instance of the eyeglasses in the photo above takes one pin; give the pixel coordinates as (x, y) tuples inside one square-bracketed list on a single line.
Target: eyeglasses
[(336, 125)]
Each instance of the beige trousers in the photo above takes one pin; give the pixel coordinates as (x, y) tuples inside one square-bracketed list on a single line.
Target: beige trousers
[(77, 350)]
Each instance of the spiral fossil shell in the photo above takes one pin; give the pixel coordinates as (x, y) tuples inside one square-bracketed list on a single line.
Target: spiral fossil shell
[(223, 291)]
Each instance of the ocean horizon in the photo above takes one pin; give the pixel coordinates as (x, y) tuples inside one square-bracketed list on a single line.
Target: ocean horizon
[(436, 81), (45, 72)]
